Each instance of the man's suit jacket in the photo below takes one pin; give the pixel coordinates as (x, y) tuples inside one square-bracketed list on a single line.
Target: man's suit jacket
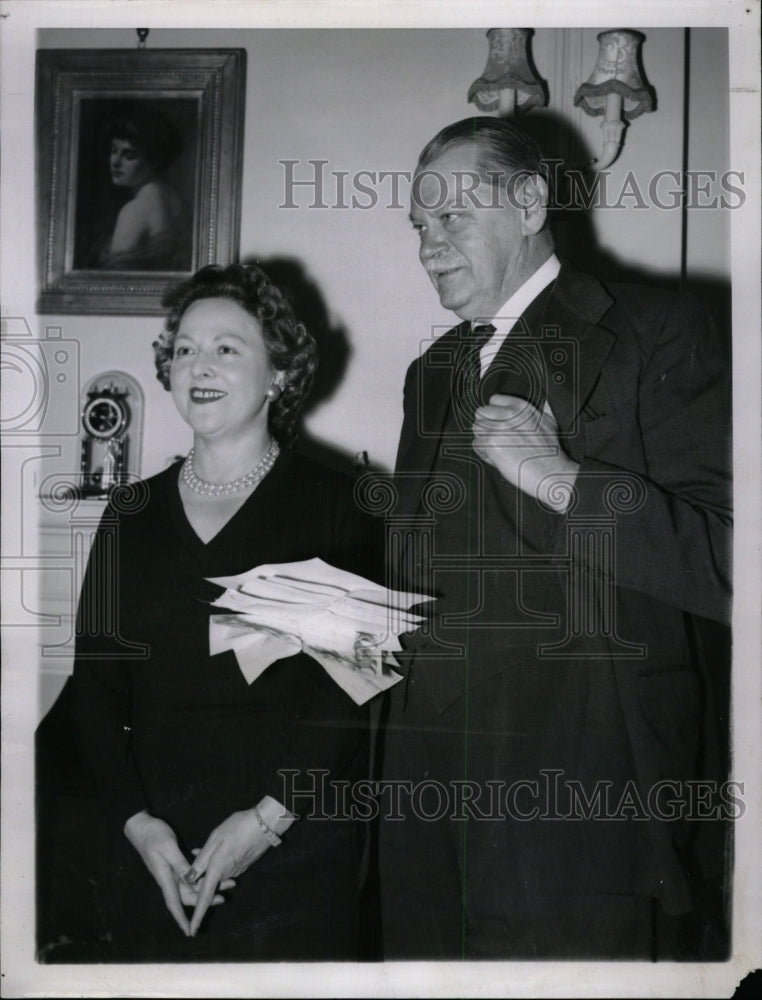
[(638, 381)]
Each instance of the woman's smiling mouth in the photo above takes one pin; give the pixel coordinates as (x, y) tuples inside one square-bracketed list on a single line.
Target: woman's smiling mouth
[(206, 395)]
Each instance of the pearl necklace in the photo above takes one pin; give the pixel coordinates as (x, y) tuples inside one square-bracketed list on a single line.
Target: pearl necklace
[(253, 478)]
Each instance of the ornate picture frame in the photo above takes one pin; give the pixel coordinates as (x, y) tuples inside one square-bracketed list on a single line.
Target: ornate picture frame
[(139, 163)]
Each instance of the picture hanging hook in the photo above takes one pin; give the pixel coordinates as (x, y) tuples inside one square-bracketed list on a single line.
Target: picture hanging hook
[(142, 35)]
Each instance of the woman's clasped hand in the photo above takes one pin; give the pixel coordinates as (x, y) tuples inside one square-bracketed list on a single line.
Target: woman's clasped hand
[(230, 850), (156, 843)]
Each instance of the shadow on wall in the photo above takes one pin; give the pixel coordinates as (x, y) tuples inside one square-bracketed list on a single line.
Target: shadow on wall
[(334, 350), (573, 225)]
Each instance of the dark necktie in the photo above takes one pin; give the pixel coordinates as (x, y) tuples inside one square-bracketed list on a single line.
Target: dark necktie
[(518, 370), (470, 372), (479, 336)]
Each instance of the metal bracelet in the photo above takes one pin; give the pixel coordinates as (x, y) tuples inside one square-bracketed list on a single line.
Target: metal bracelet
[(271, 836)]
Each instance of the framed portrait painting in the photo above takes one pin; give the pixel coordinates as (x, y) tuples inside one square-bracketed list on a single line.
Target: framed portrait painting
[(139, 156)]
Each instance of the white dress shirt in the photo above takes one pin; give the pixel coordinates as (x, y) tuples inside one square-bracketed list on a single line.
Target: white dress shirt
[(505, 321)]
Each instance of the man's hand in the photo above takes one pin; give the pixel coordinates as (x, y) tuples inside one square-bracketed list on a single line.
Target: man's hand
[(156, 843), (522, 443)]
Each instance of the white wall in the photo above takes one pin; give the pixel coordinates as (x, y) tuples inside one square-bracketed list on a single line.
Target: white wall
[(708, 243), (368, 100), (362, 100)]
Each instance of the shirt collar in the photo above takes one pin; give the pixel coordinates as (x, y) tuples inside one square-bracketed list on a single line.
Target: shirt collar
[(525, 295)]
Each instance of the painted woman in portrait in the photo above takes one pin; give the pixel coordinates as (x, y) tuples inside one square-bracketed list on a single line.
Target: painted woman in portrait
[(152, 230)]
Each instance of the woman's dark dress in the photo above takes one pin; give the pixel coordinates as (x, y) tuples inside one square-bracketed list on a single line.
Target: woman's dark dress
[(165, 727)]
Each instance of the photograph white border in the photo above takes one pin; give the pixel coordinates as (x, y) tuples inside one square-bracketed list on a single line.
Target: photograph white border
[(22, 976)]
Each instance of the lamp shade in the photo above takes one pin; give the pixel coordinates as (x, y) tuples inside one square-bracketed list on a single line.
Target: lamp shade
[(617, 72), (508, 68)]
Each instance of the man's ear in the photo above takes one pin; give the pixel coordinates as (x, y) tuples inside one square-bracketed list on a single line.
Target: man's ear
[(533, 204)]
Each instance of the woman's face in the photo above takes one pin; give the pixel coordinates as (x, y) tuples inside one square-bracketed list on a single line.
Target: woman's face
[(129, 168), (220, 370)]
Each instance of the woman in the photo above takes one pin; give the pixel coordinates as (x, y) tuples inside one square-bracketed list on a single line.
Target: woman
[(152, 230), (186, 755)]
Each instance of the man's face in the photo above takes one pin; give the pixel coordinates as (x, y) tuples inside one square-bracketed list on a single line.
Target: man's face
[(472, 244)]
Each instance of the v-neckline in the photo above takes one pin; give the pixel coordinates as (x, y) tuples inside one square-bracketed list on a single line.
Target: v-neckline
[(186, 529)]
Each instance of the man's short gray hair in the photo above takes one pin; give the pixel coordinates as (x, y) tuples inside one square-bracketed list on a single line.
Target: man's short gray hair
[(504, 150)]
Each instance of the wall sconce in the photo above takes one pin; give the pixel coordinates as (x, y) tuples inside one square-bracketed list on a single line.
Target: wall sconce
[(616, 89), (509, 82)]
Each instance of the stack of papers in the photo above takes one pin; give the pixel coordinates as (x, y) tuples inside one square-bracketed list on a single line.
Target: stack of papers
[(350, 625)]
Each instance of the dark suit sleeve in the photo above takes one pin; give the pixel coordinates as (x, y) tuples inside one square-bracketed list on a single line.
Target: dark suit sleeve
[(672, 535)]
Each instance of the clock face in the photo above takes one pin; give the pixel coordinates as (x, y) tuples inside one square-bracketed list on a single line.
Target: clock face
[(105, 417)]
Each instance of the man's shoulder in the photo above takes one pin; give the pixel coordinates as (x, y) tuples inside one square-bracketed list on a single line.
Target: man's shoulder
[(633, 308), (636, 295), (649, 314), (641, 296)]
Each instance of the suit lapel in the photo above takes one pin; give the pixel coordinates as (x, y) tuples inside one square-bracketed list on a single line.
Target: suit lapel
[(574, 349), (573, 345), (563, 321), (425, 424)]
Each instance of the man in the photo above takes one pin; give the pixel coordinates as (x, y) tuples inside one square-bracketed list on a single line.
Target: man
[(563, 491)]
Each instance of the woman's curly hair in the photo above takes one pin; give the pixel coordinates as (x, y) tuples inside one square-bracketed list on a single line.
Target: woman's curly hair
[(290, 348)]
